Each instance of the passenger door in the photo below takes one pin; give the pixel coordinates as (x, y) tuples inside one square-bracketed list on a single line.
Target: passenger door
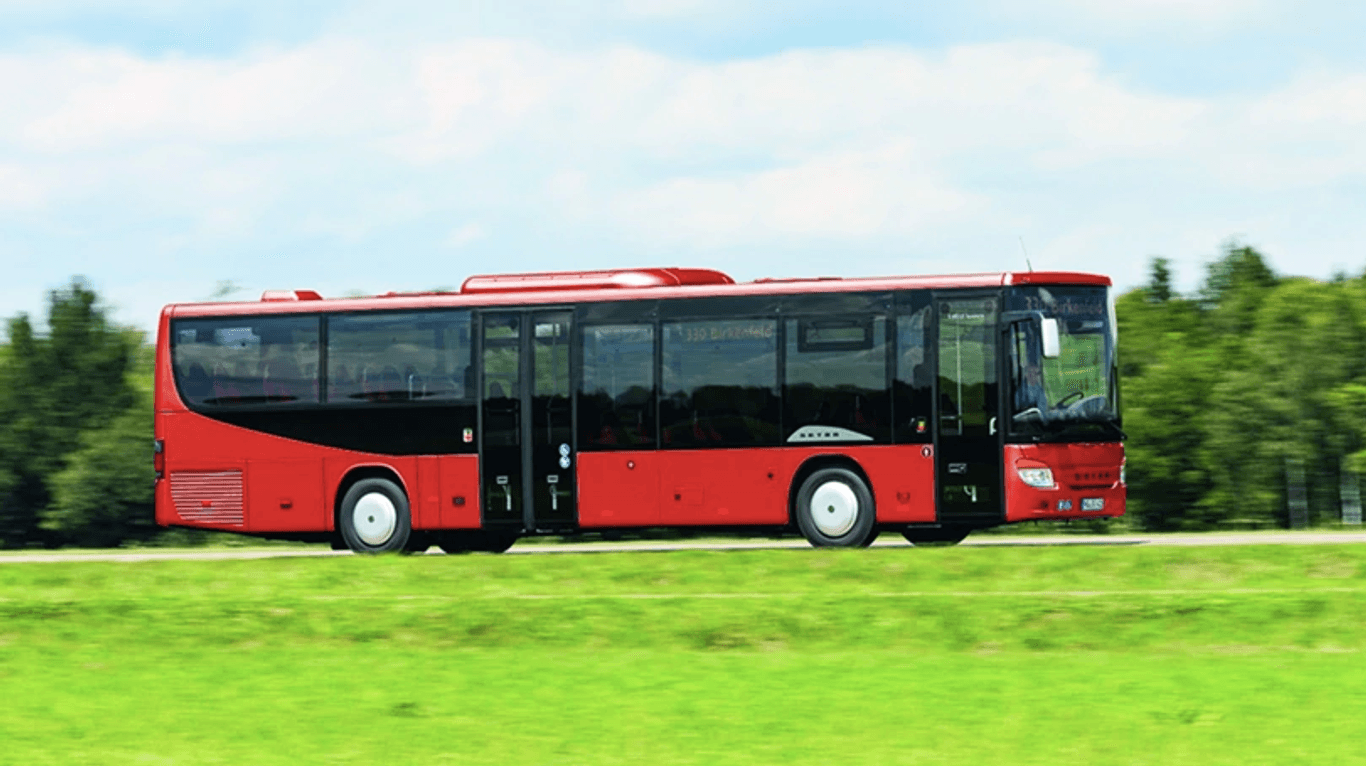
[(526, 444), (967, 432), (500, 430), (550, 403)]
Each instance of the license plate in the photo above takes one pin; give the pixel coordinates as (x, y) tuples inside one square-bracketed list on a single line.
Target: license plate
[(1093, 503)]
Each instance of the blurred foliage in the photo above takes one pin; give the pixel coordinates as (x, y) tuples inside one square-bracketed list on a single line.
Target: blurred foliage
[(103, 497), (1223, 391), (58, 389)]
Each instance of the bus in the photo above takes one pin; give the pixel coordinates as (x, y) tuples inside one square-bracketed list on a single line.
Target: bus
[(563, 403)]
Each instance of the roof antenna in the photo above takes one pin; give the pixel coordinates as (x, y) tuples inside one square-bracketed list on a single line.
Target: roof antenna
[(1026, 254)]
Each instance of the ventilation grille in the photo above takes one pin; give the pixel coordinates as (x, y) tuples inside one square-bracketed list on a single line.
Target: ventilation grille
[(208, 497)]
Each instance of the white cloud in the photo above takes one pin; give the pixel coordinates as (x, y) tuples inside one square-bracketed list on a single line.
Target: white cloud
[(1128, 18), (464, 235), (20, 188), (100, 99), (846, 196), (666, 8), (895, 154)]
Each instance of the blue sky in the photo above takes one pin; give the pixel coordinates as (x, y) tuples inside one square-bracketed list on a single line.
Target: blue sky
[(160, 147)]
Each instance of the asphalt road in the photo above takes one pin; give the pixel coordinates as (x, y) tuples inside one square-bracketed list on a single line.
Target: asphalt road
[(888, 540)]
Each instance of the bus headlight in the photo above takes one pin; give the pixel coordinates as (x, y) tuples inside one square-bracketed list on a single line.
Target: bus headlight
[(1036, 477)]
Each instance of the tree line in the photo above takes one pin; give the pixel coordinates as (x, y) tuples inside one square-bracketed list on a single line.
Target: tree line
[(75, 428), (1244, 403)]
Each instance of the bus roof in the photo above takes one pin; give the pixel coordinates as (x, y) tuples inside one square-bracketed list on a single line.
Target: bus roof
[(573, 287)]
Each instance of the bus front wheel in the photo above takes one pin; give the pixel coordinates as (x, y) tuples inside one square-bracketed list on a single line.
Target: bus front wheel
[(835, 509), (374, 517)]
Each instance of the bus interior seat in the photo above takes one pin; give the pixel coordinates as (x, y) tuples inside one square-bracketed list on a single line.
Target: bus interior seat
[(281, 378), (196, 382), (224, 383)]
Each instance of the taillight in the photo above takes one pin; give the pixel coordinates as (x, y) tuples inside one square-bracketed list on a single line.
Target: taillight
[(159, 457)]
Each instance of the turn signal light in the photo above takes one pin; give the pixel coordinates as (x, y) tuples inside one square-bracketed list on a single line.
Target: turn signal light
[(159, 457)]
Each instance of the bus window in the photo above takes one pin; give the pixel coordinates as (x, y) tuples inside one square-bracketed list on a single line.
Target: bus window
[(837, 376), (720, 383), (914, 375), (617, 397), (246, 361), (404, 356)]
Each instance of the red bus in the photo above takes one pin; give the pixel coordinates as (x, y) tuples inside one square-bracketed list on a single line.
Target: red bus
[(560, 403)]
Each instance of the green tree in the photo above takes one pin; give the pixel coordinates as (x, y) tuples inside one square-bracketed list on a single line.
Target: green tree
[(1168, 373), (1235, 285), (1168, 368), (57, 386), (1306, 346), (1160, 281), (103, 497)]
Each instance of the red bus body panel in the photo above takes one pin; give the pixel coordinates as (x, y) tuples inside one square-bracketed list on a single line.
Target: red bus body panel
[(1080, 471), (742, 486), (291, 486)]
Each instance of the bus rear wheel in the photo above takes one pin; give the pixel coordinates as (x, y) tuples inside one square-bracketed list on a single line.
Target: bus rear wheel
[(374, 517), (834, 508)]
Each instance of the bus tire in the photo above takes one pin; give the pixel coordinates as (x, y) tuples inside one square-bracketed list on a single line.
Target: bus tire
[(936, 536), (834, 508), (374, 517)]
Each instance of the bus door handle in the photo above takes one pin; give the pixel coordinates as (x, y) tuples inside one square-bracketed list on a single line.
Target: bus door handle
[(551, 481), (991, 428), (507, 491)]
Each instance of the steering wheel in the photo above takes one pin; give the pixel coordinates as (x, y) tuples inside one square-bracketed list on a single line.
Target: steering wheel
[(1070, 397)]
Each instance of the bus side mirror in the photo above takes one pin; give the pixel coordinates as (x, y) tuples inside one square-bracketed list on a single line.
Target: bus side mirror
[(1052, 345)]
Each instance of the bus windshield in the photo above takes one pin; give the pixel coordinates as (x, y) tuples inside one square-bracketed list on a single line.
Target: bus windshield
[(1073, 395)]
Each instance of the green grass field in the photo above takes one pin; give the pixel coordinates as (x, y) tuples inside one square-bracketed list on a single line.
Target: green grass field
[(1065, 655)]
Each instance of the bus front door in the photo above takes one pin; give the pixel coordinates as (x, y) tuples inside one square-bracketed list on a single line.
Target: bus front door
[(526, 445), (967, 433)]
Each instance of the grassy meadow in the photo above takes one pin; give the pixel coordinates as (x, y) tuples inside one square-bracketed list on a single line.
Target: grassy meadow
[(1063, 655)]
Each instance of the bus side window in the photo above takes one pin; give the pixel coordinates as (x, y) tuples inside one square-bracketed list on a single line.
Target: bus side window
[(288, 346), (914, 382), (720, 382), (617, 390), (837, 375)]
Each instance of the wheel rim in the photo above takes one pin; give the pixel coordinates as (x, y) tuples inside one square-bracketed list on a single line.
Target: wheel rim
[(834, 508), (374, 518)]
